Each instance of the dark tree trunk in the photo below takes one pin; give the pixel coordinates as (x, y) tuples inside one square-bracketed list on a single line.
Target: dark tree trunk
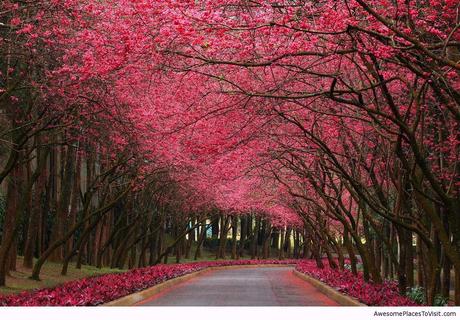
[(201, 239), (221, 252), (281, 250), (215, 228), (351, 252), (33, 227), (9, 225), (287, 242), (234, 235), (266, 240), (243, 237), (153, 246), (255, 239)]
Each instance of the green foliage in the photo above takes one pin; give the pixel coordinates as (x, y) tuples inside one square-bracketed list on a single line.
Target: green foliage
[(418, 295), (440, 301)]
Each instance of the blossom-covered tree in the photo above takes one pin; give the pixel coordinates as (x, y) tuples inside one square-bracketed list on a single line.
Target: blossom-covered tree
[(317, 124)]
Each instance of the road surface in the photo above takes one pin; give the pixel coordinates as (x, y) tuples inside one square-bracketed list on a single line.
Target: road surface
[(276, 286)]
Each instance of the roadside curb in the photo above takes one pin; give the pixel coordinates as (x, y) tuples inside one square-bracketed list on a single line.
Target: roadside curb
[(335, 295), (136, 297)]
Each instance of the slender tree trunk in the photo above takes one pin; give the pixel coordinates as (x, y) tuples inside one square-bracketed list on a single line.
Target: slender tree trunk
[(244, 232), (266, 240), (9, 225), (351, 252), (201, 239), (153, 246), (281, 250), (410, 260), (255, 239), (35, 212), (234, 235), (57, 227), (13, 255), (161, 243), (287, 242), (221, 252), (100, 212), (306, 245)]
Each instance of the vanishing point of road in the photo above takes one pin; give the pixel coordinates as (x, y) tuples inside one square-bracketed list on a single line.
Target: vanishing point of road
[(265, 286)]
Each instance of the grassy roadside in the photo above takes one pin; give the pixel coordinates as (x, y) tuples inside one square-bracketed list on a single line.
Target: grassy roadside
[(51, 276), (19, 281)]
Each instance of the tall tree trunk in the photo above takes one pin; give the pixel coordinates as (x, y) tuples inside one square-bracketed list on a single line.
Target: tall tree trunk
[(287, 242), (153, 245), (221, 252), (201, 239), (33, 227), (351, 252), (244, 232), (58, 223), (281, 250), (234, 235), (255, 239), (266, 241), (11, 217)]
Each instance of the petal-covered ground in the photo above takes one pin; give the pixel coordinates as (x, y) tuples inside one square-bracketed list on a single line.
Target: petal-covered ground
[(98, 290), (371, 294), (102, 289)]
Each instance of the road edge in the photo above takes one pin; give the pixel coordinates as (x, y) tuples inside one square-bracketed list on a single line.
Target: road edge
[(139, 296), (330, 292)]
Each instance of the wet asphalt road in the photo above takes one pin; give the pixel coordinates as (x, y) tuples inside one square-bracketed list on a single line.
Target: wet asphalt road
[(242, 287)]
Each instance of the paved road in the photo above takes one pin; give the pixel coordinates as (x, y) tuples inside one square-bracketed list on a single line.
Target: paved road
[(275, 286)]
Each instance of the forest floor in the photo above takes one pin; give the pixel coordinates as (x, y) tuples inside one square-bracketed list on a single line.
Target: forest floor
[(50, 275)]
